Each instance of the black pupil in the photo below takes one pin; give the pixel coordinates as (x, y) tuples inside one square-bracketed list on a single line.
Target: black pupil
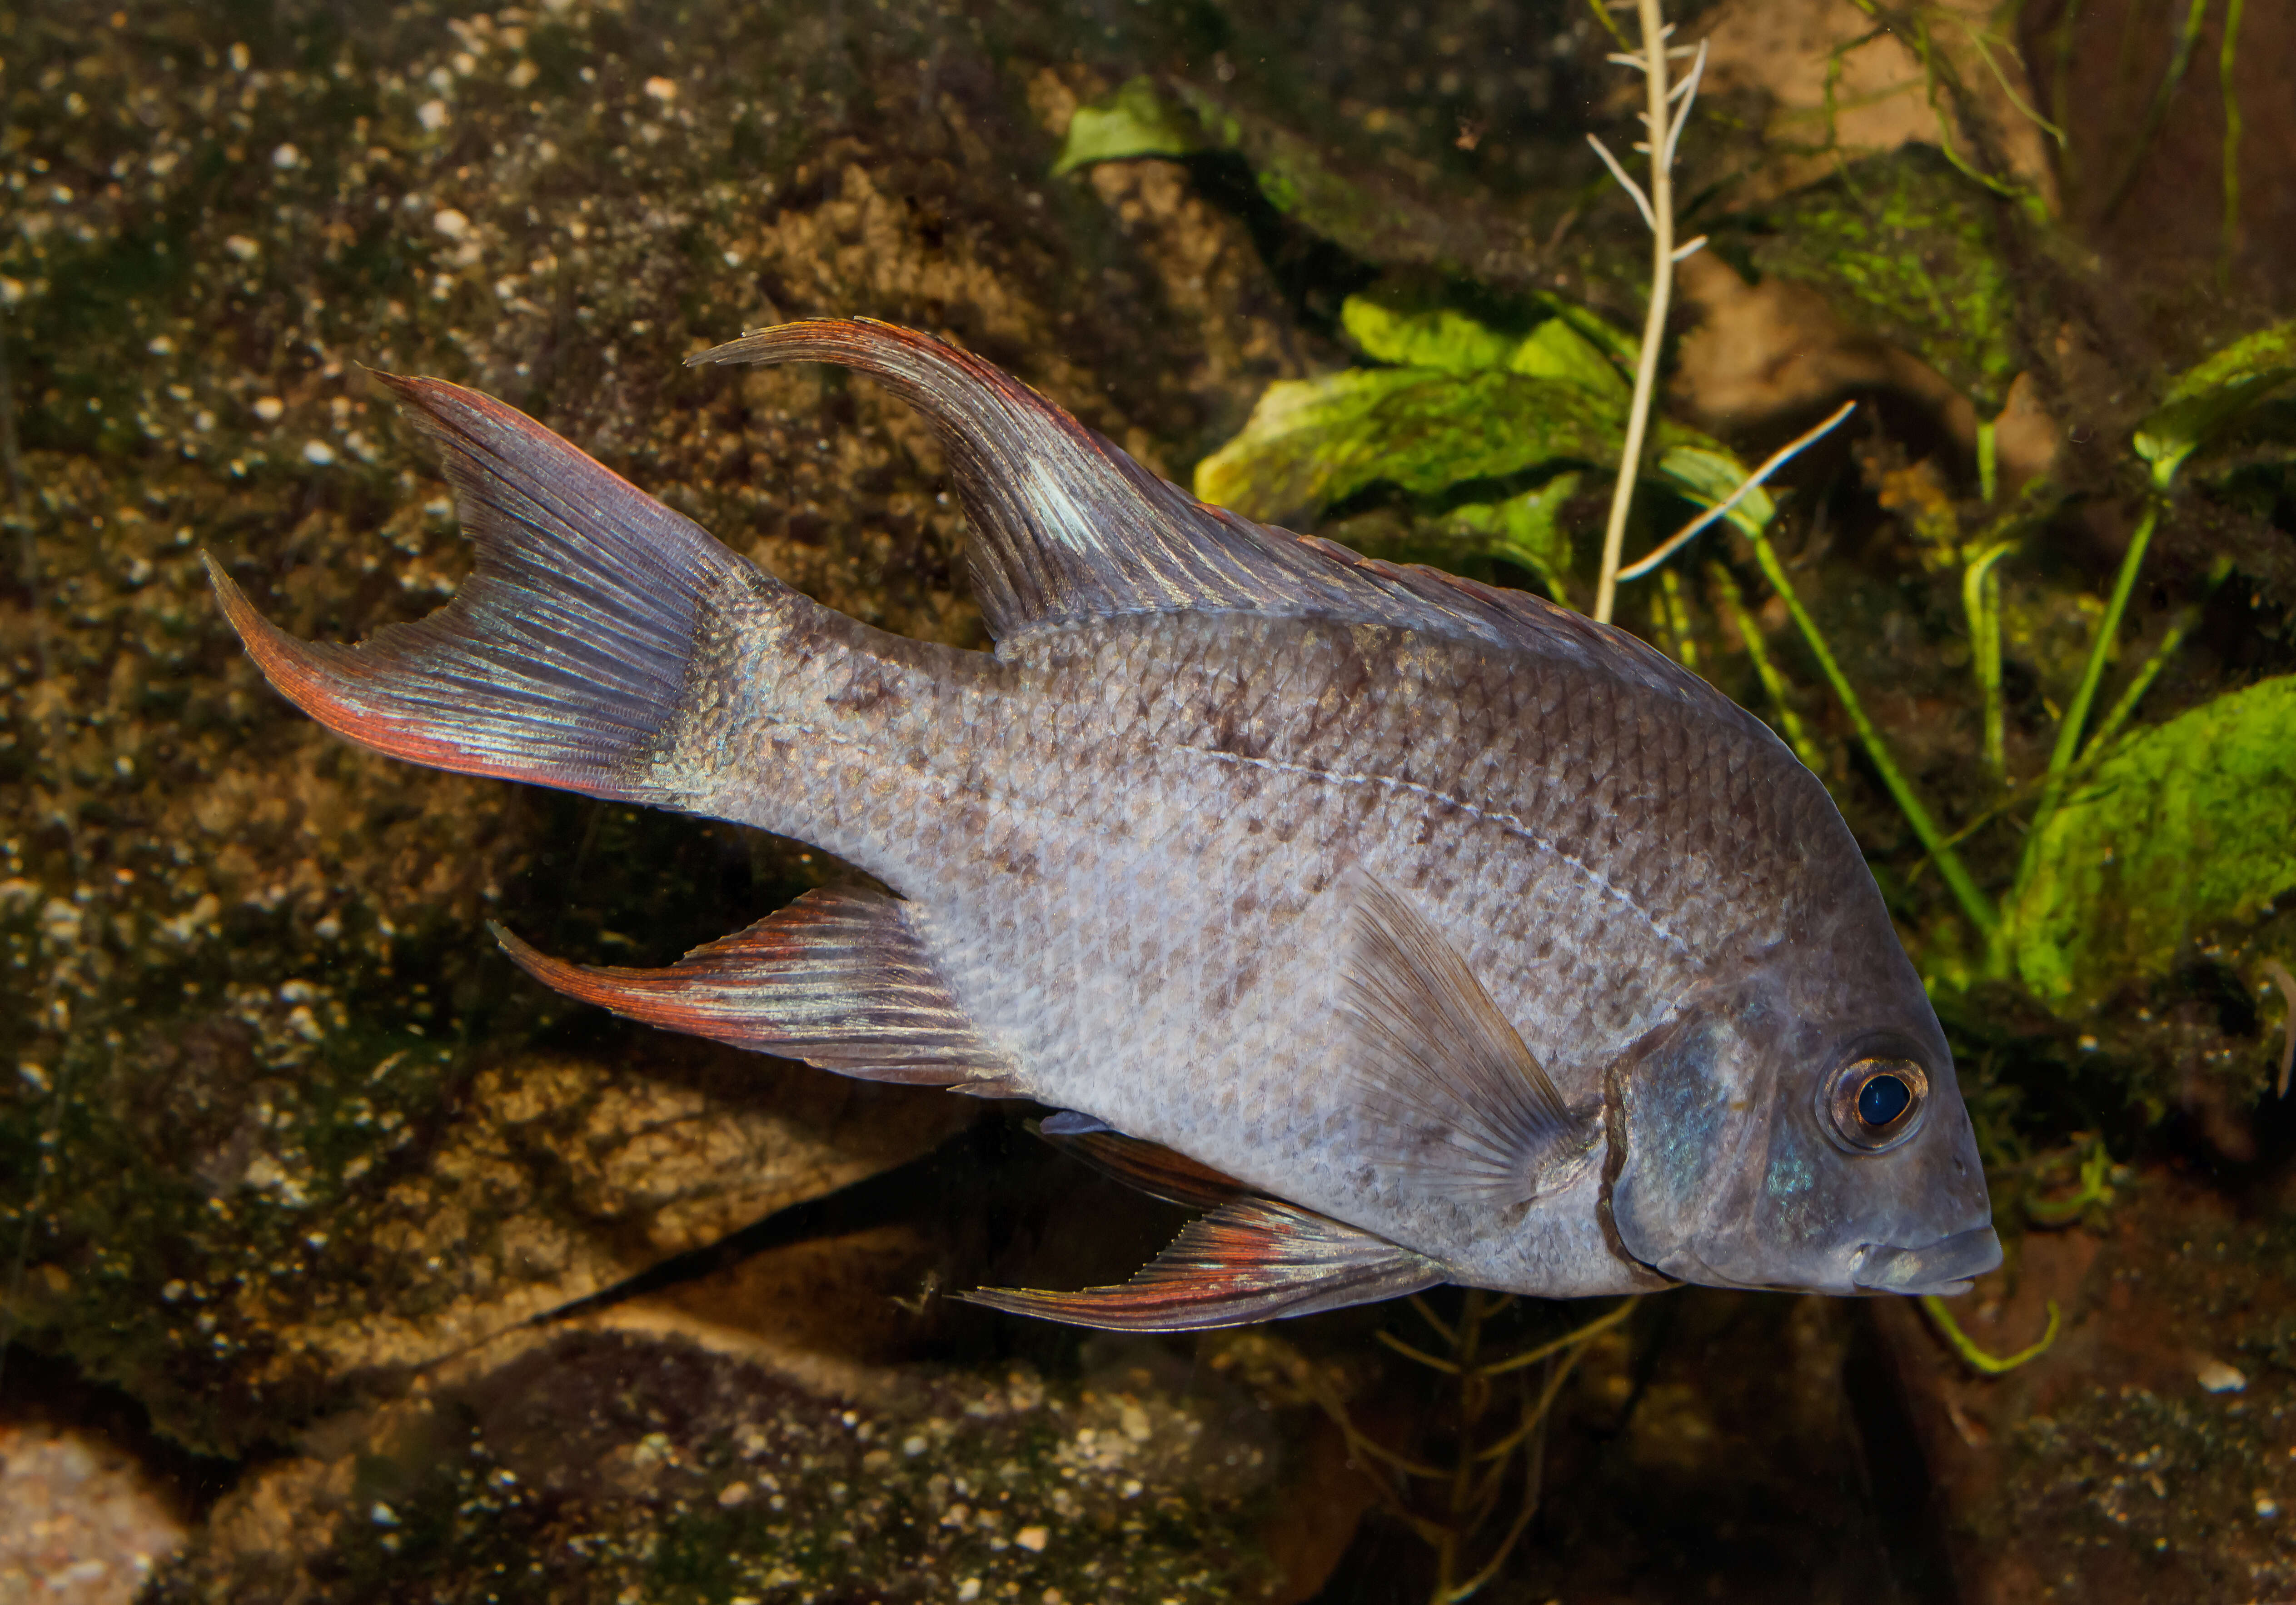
[(1882, 1100)]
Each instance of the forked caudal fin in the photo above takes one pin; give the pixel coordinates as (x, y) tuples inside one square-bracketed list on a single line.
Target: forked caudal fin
[(564, 655)]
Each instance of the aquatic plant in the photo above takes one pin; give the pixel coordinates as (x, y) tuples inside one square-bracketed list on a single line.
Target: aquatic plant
[(1483, 409)]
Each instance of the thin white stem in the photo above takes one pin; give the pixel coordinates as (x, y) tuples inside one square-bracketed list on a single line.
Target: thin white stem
[(1777, 459), (1689, 248), (1619, 174), (1658, 210), (1688, 91)]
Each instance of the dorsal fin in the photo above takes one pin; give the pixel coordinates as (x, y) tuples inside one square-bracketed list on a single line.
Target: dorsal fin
[(1067, 528), (1066, 525)]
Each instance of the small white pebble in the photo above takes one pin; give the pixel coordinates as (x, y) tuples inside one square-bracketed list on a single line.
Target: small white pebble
[(662, 90), (2218, 1377), (269, 408), (2266, 1507), (285, 157), (318, 452), (450, 222), (433, 115), (1033, 1539), (160, 345), (913, 1446), (734, 1493), (381, 1514), (242, 246), (969, 1589)]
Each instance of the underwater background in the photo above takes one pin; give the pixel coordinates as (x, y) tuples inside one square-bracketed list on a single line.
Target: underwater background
[(296, 1172)]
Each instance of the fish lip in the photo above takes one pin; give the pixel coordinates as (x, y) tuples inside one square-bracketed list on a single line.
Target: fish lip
[(1944, 1267)]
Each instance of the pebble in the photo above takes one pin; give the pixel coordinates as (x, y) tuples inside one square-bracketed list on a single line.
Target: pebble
[(80, 1524)]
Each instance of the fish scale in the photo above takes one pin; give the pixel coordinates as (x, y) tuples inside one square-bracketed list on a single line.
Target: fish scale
[(1418, 930)]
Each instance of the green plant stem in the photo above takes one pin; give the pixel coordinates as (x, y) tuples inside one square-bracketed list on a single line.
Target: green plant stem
[(2196, 16), (2227, 59), (1975, 904), (1980, 599), (1662, 222), (2109, 725), (1676, 614), (1790, 722), (1989, 459), (2108, 628), (1976, 1358)]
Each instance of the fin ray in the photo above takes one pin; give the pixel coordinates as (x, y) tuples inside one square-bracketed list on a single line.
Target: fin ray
[(1066, 527), (563, 656), (840, 979), (1152, 1168), (1464, 1102), (1255, 1259)]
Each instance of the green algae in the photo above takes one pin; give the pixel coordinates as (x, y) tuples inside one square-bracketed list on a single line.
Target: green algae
[(2181, 827), (1907, 247), (1138, 119)]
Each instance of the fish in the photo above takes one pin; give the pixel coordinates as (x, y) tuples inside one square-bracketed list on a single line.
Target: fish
[(1414, 931)]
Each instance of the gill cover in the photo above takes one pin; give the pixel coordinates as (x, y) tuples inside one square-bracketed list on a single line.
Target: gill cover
[(1735, 1175)]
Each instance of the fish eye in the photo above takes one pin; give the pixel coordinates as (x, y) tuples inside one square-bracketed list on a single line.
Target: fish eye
[(1876, 1102)]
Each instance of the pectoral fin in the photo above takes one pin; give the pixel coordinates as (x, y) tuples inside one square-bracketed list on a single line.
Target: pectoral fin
[(1457, 1098), (1255, 1259)]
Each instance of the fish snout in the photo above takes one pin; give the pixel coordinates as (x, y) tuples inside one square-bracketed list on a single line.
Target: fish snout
[(1945, 1266)]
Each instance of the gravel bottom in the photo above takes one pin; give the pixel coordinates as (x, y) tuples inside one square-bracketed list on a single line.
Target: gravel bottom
[(81, 1523)]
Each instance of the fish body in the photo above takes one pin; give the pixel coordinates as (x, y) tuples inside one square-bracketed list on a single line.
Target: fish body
[(1420, 931)]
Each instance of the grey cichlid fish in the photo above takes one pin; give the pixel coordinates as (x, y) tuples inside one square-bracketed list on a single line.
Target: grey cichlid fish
[(1418, 931)]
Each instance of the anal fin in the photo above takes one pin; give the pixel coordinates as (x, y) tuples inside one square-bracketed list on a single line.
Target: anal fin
[(1152, 1168), (1254, 1259), (840, 979)]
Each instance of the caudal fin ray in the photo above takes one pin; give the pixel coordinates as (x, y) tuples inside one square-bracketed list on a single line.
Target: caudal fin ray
[(564, 655)]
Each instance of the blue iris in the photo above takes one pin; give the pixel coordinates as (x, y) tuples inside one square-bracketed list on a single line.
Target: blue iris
[(1882, 1100)]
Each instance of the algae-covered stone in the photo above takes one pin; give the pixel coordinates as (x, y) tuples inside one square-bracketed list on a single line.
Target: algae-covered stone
[(2180, 829), (1909, 247), (612, 1466)]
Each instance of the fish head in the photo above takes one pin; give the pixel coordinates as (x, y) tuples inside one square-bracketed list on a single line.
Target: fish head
[(1782, 1134)]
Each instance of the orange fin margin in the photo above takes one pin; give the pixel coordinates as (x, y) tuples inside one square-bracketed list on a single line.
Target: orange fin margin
[(1255, 1259)]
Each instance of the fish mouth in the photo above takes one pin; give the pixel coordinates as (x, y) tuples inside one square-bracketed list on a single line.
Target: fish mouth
[(1942, 1268)]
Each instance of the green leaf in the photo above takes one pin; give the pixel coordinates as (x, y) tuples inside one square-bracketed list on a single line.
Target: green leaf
[(2214, 393), (2181, 827), (1525, 530), (1556, 350), (1706, 475), (1139, 119), (1311, 443), (1904, 246), (1435, 337), (1356, 203)]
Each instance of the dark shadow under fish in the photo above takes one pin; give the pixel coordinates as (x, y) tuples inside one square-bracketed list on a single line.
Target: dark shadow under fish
[(1418, 930)]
